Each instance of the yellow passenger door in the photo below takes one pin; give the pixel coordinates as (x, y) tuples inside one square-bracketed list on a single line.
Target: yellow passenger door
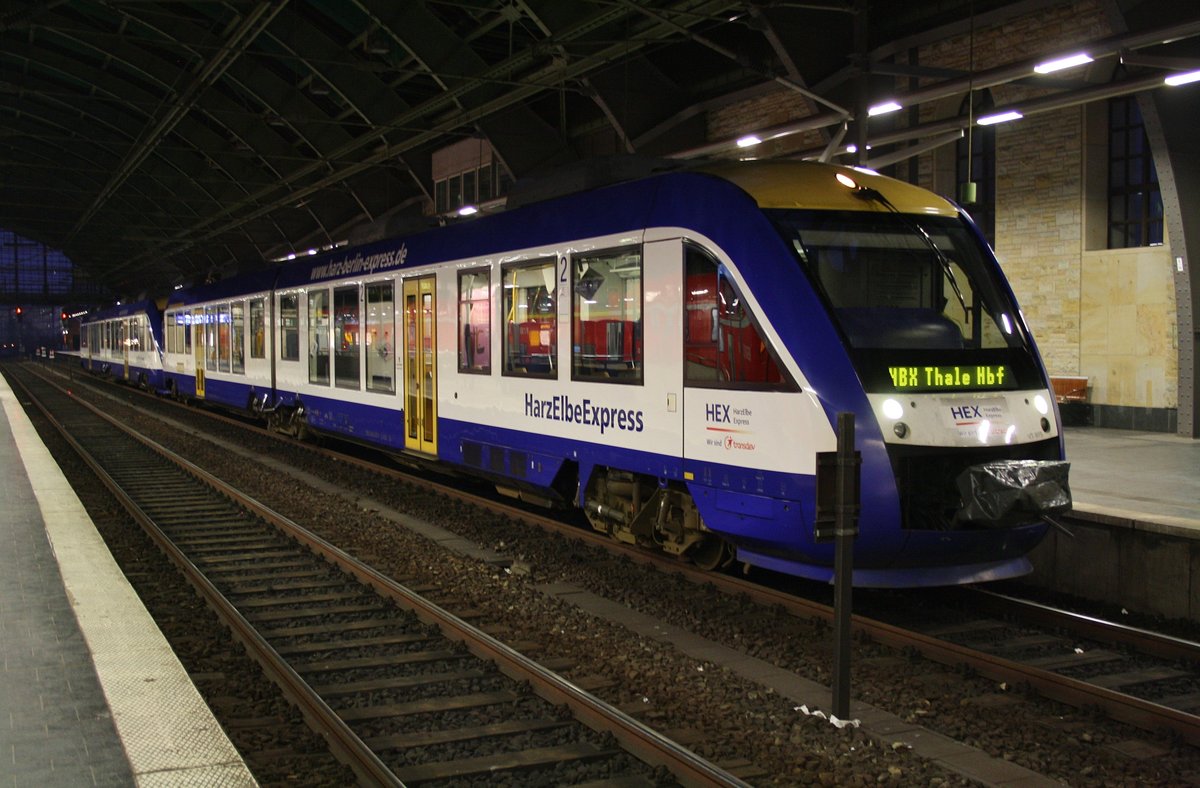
[(420, 366), (198, 349)]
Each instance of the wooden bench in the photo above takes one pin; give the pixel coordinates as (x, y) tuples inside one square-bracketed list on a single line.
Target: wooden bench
[(1069, 388)]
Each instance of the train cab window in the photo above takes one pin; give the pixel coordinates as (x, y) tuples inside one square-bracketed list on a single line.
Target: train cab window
[(224, 324), (722, 344), (237, 335), (381, 338), (346, 337), (530, 339), (289, 327), (318, 337), (606, 315), (210, 337), (258, 328), (475, 321)]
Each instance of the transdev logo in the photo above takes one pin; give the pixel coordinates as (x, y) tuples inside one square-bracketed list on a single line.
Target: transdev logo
[(730, 425), (584, 412)]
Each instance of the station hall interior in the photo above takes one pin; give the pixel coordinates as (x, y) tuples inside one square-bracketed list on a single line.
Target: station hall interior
[(159, 147), (151, 146)]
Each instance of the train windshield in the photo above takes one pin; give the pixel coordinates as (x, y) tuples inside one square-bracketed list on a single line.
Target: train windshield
[(901, 282)]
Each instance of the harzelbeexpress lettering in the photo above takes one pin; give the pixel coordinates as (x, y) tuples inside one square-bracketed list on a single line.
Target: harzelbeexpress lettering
[(584, 413)]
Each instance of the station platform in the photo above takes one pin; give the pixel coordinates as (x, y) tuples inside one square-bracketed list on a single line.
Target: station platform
[(1149, 477), (91, 692)]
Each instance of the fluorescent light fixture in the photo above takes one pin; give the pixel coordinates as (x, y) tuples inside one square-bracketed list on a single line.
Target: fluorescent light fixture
[(748, 141), (1058, 64), (883, 109), (1183, 79), (1002, 117), (467, 210)]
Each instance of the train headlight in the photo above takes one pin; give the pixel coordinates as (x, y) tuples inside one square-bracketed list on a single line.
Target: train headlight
[(892, 409), (1039, 402)]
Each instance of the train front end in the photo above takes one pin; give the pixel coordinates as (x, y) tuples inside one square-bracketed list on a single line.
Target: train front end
[(962, 452)]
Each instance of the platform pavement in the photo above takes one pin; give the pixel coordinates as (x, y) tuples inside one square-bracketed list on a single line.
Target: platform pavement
[(1146, 476), (90, 691)]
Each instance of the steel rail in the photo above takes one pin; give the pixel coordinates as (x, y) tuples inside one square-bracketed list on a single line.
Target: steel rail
[(1143, 640), (345, 744), (645, 743), (1124, 708)]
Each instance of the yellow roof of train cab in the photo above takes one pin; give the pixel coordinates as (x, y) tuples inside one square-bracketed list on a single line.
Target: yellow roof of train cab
[(833, 187)]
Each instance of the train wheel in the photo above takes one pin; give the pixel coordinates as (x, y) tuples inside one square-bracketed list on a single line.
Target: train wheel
[(712, 553)]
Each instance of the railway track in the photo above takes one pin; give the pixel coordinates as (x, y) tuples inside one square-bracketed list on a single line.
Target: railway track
[(1133, 676), (404, 692)]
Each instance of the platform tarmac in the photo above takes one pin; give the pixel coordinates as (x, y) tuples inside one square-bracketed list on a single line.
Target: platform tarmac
[(1146, 476)]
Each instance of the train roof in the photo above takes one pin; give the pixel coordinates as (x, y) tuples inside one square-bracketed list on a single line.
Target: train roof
[(681, 197), (810, 185), (150, 307)]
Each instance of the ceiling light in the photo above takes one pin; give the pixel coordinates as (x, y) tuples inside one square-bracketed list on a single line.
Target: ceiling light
[(1078, 59), (883, 109), (1000, 117), (748, 141), (467, 210), (1183, 79)]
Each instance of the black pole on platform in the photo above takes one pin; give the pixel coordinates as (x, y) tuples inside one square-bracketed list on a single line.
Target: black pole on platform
[(837, 520)]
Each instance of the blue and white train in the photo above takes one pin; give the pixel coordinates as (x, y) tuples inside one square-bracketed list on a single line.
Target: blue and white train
[(670, 354), (125, 341)]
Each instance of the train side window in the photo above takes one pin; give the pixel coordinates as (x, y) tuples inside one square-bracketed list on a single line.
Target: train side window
[(289, 327), (210, 337), (170, 332), (318, 336), (606, 325), (258, 328), (722, 344), (346, 338), (530, 339), (224, 325), (475, 321), (237, 335), (380, 339)]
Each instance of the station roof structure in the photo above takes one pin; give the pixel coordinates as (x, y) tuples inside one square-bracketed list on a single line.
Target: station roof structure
[(162, 142)]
